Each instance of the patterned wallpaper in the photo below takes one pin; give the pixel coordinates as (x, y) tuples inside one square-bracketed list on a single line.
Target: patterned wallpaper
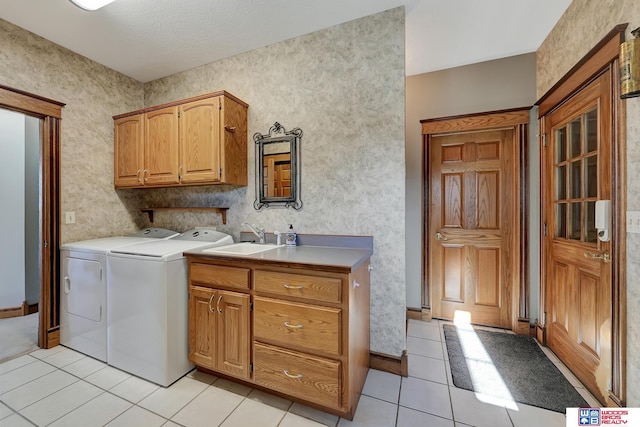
[(332, 84), (350, 106), (582, 26), (93, 94)]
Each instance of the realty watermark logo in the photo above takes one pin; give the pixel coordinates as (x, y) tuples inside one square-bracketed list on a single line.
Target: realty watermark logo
[(589, 416)]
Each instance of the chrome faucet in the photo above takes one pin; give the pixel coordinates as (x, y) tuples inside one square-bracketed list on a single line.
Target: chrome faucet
[(256, 230)]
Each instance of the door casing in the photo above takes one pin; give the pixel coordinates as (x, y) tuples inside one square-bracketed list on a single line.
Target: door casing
[(605, 54), (51, 113), (517, 120)]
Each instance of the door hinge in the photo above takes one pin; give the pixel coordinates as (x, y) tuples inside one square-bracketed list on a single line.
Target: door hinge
[(545, 228), (178, 114), (46, 244), (250, 367), (220, 172), (219, 104), (544, 139)]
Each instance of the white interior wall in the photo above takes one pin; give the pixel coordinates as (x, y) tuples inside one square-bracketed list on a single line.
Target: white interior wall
[(12, 165)]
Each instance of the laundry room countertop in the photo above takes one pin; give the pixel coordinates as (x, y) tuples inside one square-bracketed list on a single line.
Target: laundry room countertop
[(348, 253)]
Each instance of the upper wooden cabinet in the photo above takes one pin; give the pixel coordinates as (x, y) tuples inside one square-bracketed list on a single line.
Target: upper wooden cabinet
[(197, 141)]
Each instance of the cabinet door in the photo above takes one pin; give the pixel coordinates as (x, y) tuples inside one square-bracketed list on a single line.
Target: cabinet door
[(233, 333), (128, 151), (203, 318), (161, 147), (200, 141)]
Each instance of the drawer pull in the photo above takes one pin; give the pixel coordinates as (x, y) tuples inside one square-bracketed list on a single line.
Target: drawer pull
[(288, 286), (296, 377), (289, 325)]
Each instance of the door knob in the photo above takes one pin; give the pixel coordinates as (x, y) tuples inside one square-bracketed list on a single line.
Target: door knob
[(440, 236), (604, 256)]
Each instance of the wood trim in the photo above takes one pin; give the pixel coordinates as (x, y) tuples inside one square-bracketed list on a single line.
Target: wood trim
[(474, 122), (397, 365), (541, 334), (22, 310), (24, 102), (182, 101), (6, 313), (419, 314), (32, 308), (617, 394), (51, 112), (524, 327), (50, 315), (53, 338), (518, 120), (604, 55), (591, 64)]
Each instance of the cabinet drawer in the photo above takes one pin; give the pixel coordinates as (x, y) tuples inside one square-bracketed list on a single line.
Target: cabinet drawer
[(310, 327), (308, 377), (218, 275), (315, 288)]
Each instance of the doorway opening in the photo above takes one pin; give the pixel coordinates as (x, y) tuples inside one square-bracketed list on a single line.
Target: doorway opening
[(43, 233)]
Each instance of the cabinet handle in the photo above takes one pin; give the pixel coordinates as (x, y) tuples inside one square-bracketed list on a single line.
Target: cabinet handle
[(210, 301), (289, 325), (144, 175), (218, 304), (296, 377), (138, 175), (231, 129), (67, 284), (288, 286)]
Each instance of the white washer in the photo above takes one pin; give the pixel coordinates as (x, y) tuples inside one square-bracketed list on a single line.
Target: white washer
[(148, 306), (83, 289)]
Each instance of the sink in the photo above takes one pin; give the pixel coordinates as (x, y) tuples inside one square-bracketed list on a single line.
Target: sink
[(243, 248)]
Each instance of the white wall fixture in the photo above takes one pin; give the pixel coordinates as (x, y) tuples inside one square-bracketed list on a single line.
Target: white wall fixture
[(91, 4)]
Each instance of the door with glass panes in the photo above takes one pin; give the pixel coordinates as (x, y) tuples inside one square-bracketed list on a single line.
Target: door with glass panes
[(576, 174)]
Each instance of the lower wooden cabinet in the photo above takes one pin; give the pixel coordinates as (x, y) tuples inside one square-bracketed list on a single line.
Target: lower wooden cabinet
[(300, 332), (219, 331)]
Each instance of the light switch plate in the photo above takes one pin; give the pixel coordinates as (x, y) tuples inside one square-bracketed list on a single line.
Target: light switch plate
[(70, 217), (633, 221)]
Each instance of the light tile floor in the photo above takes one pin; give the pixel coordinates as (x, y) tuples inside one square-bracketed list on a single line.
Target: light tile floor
[(60, 387)]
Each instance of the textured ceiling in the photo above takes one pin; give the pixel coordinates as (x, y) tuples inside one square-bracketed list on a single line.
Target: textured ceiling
[(149, 39)]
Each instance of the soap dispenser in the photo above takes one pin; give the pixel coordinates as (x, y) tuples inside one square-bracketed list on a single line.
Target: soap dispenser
[(290, 237)]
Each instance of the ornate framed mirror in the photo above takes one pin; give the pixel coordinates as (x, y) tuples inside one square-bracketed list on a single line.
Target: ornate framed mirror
[(278, 168)]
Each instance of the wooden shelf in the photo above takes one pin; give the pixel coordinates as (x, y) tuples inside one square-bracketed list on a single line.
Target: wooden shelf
[(221, 211)]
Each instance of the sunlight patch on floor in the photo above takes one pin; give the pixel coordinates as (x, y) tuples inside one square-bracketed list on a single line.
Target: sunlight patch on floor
[(488, 384)]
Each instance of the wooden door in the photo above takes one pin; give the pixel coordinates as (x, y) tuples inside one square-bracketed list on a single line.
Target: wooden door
[(277, 175), (202, 326), (473, 225), (233, 334), (200, 141), (577, 170), (129, 151), (161, 147)]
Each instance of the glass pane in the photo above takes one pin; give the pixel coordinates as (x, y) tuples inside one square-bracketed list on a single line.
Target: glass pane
[(561, 220), (590, 222), (561, 145), (575, 221), (591, 176), (574, 179), (561, 182), (574, 138), (591, 131)]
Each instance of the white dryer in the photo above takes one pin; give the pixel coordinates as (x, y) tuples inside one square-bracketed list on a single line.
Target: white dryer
[(148, 305), (83, 289)]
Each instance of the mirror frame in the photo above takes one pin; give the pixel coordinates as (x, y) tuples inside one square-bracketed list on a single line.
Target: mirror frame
[(278, 134)]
